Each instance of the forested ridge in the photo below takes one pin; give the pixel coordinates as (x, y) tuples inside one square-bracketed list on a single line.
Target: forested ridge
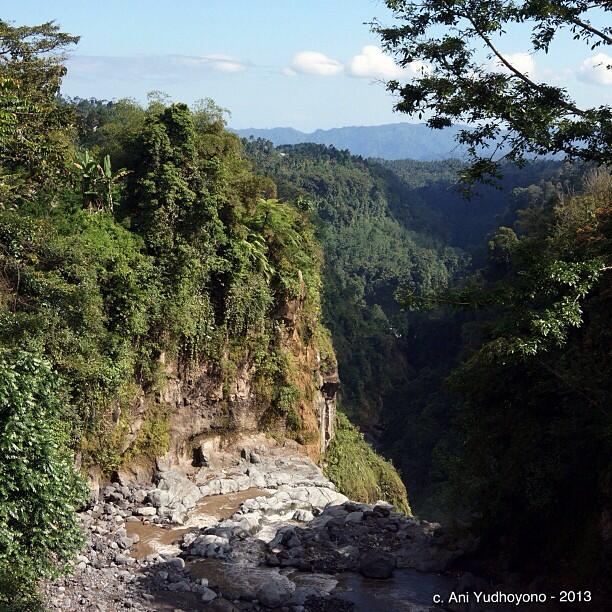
[(483, 401), (472, 335), (390, 141)]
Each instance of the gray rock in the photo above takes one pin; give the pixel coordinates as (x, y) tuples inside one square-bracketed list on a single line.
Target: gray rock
[(182, 585), (146, 511), (251, 522), (177, 518), (228, 485), (275, 593), (176, 563), (382, 508), (164, 511), (180, 488), (159, 498), (377, 564), (125, 543), (304, 516), (140, 496), (189, 538), (243, 482), (123, 559), (207, 594), (301, 594)]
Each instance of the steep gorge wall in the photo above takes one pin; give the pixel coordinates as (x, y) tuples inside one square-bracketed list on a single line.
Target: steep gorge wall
[(200, 406)]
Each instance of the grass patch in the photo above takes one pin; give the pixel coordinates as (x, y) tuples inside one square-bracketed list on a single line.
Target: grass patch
[(359, 472)]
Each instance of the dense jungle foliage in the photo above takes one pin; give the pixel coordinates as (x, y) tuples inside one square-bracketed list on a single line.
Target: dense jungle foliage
[(534, 418), (387, 226), (129, 237), (473, 336)]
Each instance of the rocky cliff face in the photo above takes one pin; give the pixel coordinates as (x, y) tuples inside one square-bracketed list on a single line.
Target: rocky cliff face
[(200, 405)]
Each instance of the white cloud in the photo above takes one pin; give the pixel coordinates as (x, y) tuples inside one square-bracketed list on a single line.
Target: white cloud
[(161, 69), (596, 69), (313, 62), (523, 62), (216, 61), (556, 76), (372, 63)]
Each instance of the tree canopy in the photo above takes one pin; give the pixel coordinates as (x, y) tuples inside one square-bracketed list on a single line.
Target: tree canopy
[(465, 77)]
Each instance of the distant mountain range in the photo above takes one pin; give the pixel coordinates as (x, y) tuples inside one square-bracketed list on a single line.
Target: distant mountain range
[(389, 141)]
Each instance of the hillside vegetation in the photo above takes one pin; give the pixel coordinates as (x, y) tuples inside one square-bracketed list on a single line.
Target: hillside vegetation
[(130, 238), (472, 337), (480, 368)]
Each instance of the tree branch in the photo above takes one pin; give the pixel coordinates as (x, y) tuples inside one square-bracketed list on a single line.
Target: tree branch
[(516, 72), (589, 28)]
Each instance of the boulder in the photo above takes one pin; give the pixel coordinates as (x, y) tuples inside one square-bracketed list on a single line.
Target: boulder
[(146, 511), (275, 593), (159, 498), (354, 517), (176, 563), (377, 564), (140, 496), (180, 488), (228, 485), (305, 516), (207, 594)]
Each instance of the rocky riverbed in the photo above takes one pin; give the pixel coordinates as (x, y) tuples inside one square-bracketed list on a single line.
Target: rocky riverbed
[(254, 528)]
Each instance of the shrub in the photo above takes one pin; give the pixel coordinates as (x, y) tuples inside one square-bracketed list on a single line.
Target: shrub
[(39, 487)]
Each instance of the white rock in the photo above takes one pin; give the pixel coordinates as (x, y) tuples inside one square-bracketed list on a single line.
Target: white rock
[(304, 516), (205, 491), (146, 511), (228, 485), (243, 483), (251, 521)]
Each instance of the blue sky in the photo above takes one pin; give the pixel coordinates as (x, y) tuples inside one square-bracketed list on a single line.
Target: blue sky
[(302, 63)]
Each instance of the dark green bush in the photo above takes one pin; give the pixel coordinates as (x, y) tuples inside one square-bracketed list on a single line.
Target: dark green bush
[(39, 486)]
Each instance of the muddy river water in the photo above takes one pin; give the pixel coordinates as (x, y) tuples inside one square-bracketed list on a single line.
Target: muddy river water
[(407, 590), (158, 539)]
